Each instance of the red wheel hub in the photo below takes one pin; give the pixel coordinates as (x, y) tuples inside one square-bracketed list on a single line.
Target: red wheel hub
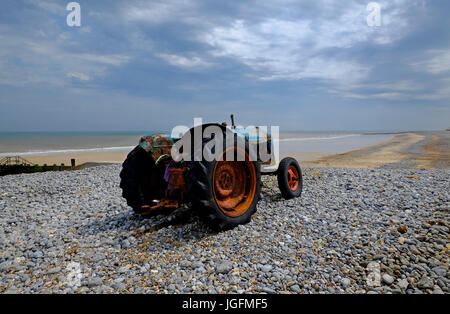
[(293, 178)]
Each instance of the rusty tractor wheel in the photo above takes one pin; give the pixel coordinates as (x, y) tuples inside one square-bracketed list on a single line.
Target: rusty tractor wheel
[(225, 192), (290, 180)]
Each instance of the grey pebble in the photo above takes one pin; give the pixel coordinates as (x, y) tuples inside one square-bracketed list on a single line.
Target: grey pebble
[(388, 279), (224, 267)]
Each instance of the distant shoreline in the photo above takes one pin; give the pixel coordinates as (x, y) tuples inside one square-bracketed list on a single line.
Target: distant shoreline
[(40, 144), (427, 150)]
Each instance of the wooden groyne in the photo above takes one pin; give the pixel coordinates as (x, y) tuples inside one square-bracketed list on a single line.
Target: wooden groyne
[(17, 164)]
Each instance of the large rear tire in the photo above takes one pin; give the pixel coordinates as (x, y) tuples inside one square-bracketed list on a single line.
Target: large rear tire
[(226, 193), (140, 179)]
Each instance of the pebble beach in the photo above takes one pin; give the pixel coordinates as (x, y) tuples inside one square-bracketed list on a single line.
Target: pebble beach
[(352, 231)]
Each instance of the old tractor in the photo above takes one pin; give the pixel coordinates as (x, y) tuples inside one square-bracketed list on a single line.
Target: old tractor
[(223, 185)]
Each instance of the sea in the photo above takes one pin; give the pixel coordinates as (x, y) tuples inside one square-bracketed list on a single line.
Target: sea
[(53, 143)]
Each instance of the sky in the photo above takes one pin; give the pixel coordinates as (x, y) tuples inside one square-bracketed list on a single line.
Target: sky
[(150, 65)]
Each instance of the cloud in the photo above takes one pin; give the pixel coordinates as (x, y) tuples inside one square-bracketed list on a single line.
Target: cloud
[(386, 96), (115, 60), (159, 11), (184, 62), (49, 5), (399, 85), (280, 50), (396, 90), (438, 61), (285, 48), (441, 92), (50, 61), (80, 76)]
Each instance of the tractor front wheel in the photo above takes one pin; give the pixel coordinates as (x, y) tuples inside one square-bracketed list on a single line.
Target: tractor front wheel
[(290, 180)]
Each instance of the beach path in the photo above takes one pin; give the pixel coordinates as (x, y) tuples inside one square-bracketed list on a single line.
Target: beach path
[(419, 150)]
